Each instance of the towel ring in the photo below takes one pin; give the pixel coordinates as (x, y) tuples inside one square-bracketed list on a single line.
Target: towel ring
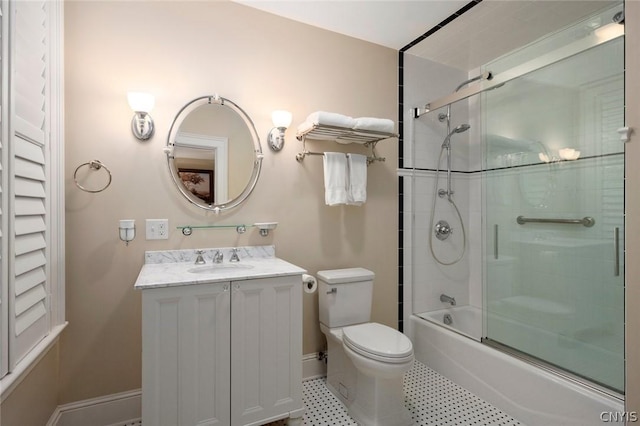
[(93, 165)]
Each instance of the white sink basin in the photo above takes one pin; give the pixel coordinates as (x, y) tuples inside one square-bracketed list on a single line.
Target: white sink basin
[(218, 268)]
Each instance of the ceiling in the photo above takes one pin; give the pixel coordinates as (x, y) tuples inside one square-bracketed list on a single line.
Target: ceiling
[(390, 23), (473, 39)]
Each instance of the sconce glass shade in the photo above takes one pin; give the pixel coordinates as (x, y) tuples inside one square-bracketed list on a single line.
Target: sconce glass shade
[(142, 123), (141, 101), (281, 120)]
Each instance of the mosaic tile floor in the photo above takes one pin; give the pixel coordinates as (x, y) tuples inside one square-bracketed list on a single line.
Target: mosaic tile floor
[(432, 399)]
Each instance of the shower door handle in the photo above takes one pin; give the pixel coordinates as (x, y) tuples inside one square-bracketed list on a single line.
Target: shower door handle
[(616, 251), (495, 241)]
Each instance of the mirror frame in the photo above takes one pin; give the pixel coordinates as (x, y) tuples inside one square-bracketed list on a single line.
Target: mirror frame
[(169, 150)]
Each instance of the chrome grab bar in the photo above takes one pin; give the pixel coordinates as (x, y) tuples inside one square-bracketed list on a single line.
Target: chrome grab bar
[(585, 221)]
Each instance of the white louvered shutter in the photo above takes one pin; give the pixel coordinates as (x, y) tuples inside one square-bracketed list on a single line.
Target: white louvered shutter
[(29, 315)]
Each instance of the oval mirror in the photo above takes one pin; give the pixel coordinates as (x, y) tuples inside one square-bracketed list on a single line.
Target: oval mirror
[(214, 153)]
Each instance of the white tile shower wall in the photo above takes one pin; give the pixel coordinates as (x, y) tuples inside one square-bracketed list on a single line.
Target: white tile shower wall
[(475, 160), (425, 81), (407, 243), (432, 279)]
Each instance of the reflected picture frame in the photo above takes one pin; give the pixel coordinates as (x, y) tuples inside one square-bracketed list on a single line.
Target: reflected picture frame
[(198, 182)]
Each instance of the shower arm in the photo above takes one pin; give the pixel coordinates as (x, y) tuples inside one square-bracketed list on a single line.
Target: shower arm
[(487, 75)]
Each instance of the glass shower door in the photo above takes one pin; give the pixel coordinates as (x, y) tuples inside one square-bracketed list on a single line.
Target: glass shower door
[(553, 214)]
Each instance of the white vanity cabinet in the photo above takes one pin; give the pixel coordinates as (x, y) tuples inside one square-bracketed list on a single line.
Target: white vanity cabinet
[(222, 353)]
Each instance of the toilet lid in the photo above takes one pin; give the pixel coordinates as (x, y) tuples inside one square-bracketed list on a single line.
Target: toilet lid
[(378, 339)]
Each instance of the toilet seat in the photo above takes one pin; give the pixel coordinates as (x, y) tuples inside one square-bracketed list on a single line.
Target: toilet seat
[(378, 342)]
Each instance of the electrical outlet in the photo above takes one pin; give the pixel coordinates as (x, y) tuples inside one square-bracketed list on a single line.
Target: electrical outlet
[(157, 229)]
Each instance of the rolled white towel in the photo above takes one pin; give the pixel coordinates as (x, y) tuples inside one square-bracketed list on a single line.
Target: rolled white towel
[(331, 119), (374, 124), (308, 125), (305, 127)]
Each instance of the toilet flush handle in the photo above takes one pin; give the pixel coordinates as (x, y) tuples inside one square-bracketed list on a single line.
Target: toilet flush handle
[(333, 291)]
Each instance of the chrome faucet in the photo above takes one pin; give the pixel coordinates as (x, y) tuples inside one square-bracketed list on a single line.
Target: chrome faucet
[(447, 299), (218, 257), (234, 256), (200, 259)]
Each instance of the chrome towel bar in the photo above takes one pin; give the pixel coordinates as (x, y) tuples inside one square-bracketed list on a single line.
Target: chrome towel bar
[(585, 221)]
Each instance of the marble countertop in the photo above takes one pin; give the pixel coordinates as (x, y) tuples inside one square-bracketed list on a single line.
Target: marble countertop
[(177, 267)]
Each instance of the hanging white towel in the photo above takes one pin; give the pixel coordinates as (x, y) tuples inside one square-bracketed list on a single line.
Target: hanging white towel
[(357, 193), (335, 178)]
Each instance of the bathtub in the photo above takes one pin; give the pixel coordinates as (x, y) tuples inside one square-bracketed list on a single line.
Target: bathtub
[(466, 320), (531, 395)]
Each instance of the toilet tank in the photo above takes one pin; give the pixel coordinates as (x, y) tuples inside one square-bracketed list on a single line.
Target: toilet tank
[(345, 296)]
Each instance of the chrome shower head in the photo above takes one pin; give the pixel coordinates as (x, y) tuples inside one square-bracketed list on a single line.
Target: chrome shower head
[(460, 129)]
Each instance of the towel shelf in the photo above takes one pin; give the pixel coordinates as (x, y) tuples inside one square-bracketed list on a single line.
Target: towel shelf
[(343, 135)]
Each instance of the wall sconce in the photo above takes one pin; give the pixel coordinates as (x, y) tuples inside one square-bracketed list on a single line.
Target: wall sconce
[(142, 123), (281, 120), (127, 230)]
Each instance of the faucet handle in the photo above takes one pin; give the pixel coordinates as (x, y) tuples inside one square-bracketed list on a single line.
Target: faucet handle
[(234, 255), (199, 259)]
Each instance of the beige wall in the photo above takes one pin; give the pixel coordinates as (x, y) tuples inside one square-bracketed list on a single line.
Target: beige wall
[(178, 51), (36, 397)]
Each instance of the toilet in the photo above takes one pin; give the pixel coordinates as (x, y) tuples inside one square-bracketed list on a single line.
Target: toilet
[(366, 361)]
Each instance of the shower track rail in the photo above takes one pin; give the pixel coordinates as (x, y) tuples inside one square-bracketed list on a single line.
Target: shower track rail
[(585, 221), (498, 79)]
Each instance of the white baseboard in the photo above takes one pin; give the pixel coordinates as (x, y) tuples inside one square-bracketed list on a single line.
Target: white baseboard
[(312, 367), (121, 408), (115, 409)]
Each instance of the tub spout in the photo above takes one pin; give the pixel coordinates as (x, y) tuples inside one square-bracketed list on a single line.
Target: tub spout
[(447, 299)]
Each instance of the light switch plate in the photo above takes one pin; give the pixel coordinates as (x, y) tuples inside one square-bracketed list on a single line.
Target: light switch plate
[(157, 229)]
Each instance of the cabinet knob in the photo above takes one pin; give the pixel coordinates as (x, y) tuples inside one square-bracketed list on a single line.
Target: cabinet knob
[(225, 288)]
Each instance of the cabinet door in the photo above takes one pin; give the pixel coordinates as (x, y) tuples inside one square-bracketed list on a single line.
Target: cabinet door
[(185, 360), (266, 366)]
